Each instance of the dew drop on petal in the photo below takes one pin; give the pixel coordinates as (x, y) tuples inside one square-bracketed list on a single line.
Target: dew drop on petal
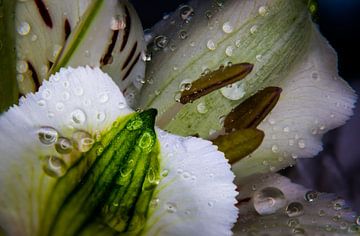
[(301, 143), (161, 41), (170, 207), (186, 13), (103, 97), (100, 116), (23, 28), (234, 91), (201, 108), (54, 166), (268, 200), (229, 51), (48, 135), (294, 209), (21, 66), (311, 196), (227, 27), (63, 146), (78, 117), (253, 29), (82, 140), (263, 11), (211, 45)]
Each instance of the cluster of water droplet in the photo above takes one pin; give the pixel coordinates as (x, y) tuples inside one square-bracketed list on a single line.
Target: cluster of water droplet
[(273, 201), (67, 150)]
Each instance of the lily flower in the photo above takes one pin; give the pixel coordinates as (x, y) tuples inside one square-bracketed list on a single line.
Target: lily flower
[(254, 77)]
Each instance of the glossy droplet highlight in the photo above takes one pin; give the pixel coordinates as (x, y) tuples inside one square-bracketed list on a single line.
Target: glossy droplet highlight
[(201, 108), (63, 146), (23, 28), (78, 117), (48, 135), (268, 200), (54, 166), (146, 141), (82, 141), (161, 41), (186, 13), (294, 209), (233, 91), (311, 196), (263, 11), (170, 207), (21, 66), (211, 45), (227, 27)]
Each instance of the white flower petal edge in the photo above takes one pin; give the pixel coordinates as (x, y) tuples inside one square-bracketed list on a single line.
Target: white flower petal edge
[(197, 196), (87, 100), (286, 208), (74, 99), (314, 100)]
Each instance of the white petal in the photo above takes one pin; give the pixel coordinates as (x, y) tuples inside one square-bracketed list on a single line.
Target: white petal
[(321, 214), (314, 100), (196, 195), (74, 99)]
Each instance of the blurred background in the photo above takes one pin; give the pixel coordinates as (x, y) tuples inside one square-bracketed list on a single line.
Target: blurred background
[(337, 168)]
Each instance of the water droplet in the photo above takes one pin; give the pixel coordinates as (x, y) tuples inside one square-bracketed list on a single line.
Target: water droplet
[(311, 196), (161, 41), (210, 204), (146, 56), (338, 204), (183, 34), (357, 220), (146, 141), (34, 37), (135, 124), (78, 117), (154, 202), (253, 29), (121, 105), (63, 146), (263, 11), (79, 91), (211, 45), (177, 97), (286, 129), (227, 27), (48, 135), (21, 66), (301, 143), (315, 75), (229, 51), (23, 28), (103, 97), (321, 212), (298, 231), (269, 200), (292, 223), (237, 43), (185, 85), (234, 91), (41, 103), (66, 96), (186, 13), (201, 108), (294, 209), (275, 148), (60, 106), (54, 166), (100, 116), (170, 207), (165, 173), (82, 141), (259, 57)]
